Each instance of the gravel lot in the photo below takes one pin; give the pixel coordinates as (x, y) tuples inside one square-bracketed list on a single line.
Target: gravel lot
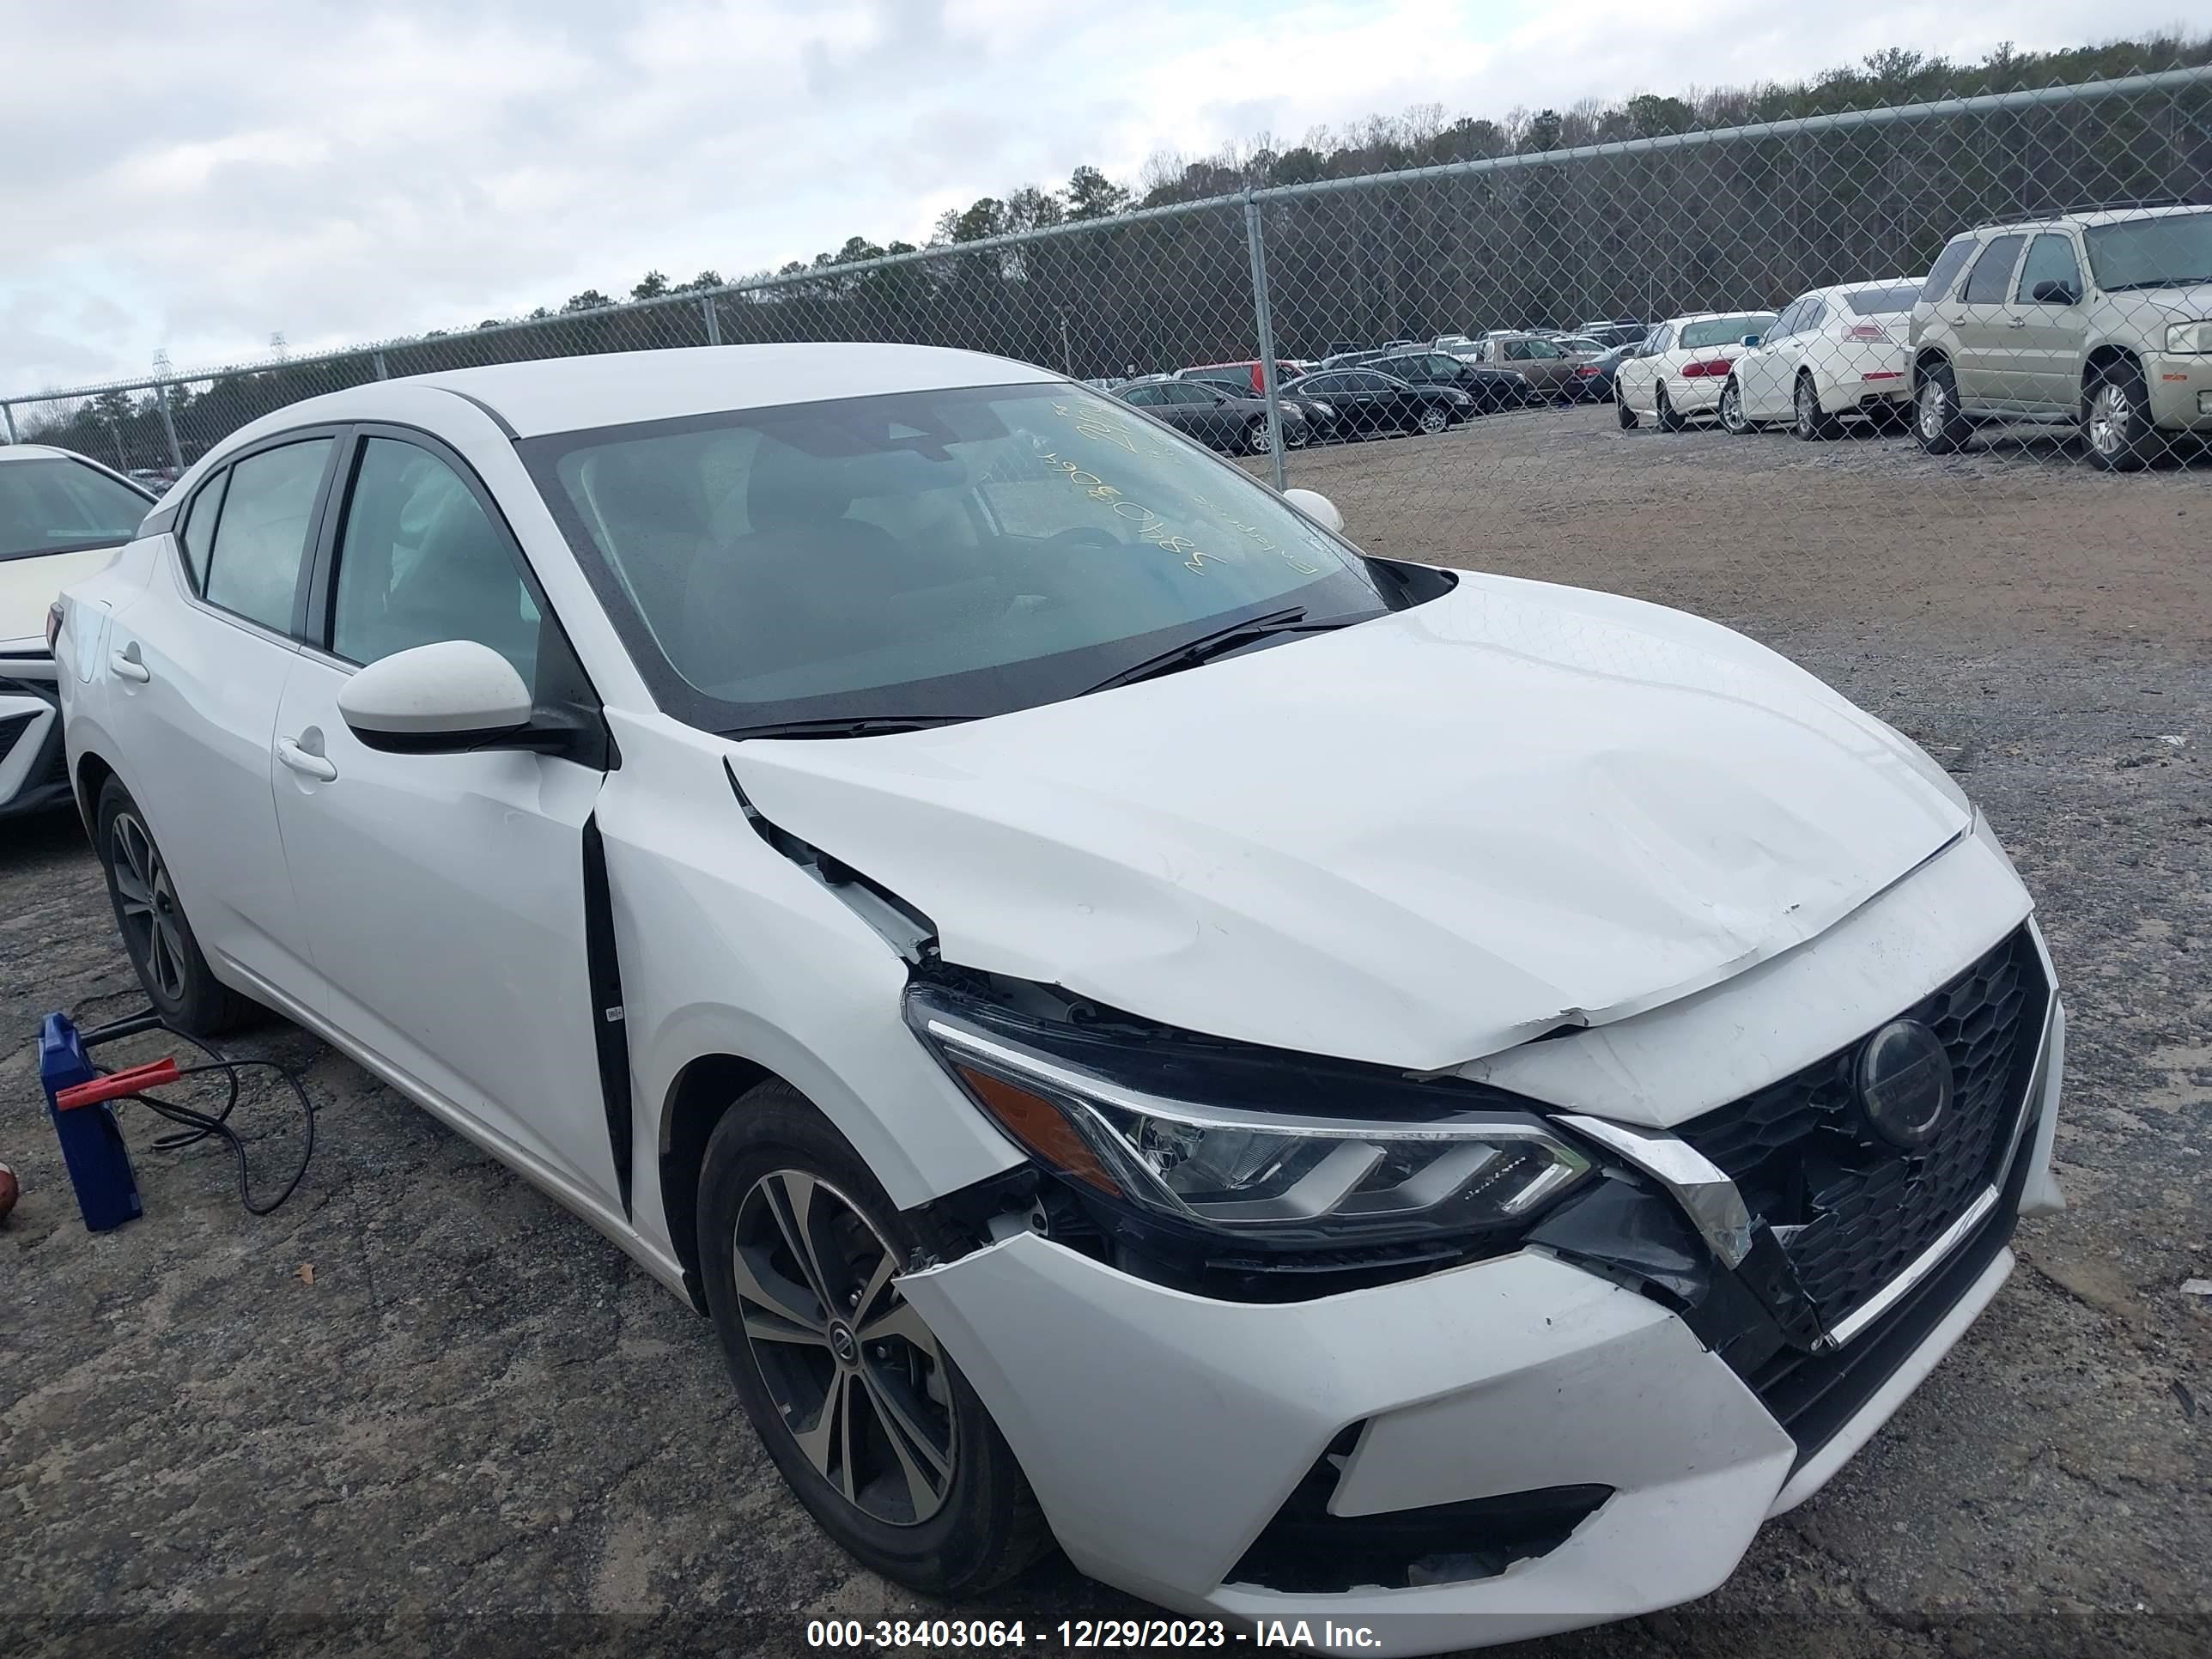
[(420, 1405)]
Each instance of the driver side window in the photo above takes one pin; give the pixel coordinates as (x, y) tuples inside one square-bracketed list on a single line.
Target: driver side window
[(420, 560)]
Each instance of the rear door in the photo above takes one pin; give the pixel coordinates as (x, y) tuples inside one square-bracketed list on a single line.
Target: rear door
[(1986, 325), (196, 666), (2048, 334), (445, 893)]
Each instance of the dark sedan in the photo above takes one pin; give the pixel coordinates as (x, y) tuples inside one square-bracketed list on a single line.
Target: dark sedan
[(1362, 402), (1215, 417), (1492, 389), (1593, 380)]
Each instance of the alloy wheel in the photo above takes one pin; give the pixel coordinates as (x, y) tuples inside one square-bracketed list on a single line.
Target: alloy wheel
[(858, 1380), (1732, 408), (1434, 421), (2110, 417), (147, 903), (1933, 417)]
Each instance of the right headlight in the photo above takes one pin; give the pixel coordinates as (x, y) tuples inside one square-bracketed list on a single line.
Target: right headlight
[(1285, 1178), (2190, 338)]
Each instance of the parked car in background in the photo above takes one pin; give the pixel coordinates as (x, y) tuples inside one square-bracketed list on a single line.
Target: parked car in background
[(62, 517), (1214, 416), (1834, 352), (1622, 330), (1358, 355), (1060, 957), (1681, 367), (1493, 389), (1548, 365), (154, 480), (1593, 381), (1366, 404), (1581, 345), (1245, 378), (2102, 318)]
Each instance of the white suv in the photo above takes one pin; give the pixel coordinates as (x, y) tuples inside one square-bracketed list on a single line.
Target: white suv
[(2100, 318), (1328, 1086)]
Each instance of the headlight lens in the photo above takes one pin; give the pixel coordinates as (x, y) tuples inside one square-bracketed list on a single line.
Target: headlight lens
[(1259, 1176), (2190, 336)]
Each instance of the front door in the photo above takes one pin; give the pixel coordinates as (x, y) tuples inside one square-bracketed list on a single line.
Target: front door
[(444, 893), (2049, 340)]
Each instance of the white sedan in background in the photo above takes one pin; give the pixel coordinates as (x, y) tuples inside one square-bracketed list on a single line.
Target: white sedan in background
[(1682, 365), (1834, 352)]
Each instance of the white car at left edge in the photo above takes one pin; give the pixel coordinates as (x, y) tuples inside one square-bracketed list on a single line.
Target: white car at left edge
[(62, 517), (1681, 366)]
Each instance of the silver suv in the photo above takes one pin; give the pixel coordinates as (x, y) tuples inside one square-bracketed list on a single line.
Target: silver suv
[(2102, 318)]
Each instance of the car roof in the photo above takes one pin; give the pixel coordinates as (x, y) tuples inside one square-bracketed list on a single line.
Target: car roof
[(36, 452), (2090, 216), (617, 388)]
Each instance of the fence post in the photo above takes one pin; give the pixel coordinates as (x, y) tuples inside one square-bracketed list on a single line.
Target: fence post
[(382, 373), (169, 428), (1263, 313), (9, 409), (713, 320)]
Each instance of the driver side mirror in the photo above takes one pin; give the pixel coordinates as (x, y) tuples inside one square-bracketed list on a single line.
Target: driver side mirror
[(1316, 506), (436, 699), (2054, 294), (1749, 341)]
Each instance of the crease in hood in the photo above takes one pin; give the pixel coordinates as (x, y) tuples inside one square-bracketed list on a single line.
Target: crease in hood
[(1414, 841)]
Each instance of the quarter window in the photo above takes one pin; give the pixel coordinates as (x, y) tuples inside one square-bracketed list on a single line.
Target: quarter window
[(2049, 260), (261, 540), (1988, 283), (420, 560), (199, 527)]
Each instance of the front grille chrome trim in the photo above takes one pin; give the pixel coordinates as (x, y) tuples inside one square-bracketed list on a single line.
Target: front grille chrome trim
[(1703, 1189)]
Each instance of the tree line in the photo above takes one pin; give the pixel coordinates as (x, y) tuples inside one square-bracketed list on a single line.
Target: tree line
[(1647, 235)]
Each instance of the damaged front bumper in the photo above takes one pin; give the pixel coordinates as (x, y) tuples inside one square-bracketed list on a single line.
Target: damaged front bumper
[(1522, 1445)]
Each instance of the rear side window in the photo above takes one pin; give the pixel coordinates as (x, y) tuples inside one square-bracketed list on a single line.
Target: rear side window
[(198, 533), (261, 540), (1948, 263), (1987, 284)]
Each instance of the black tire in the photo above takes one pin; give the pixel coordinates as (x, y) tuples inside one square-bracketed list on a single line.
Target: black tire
[(1937, 424), (1808, 420), (1623, 413), (1732, 418), (156, 935), (2116, 418), (1662, 410), (985, 1525)]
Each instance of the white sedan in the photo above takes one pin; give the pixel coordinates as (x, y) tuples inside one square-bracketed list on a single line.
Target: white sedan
[(1681, 366), (1331, 1087), (1834, 352)]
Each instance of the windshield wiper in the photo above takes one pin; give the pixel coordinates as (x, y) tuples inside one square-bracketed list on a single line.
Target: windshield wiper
[(847, 725), (1206, 647)]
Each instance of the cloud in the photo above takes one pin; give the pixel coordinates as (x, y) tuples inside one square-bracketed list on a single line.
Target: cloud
[(194, 178)]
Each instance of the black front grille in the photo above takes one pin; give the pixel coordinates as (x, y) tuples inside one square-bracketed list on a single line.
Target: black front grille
[(1853, 1211)]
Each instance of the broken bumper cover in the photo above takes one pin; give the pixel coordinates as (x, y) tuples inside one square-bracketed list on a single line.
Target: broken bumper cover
[(1168, 1435)]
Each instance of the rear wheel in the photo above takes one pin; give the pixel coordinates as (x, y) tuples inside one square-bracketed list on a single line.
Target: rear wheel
[(863, 1412), (1662, 410), (1623, 412), (1812, 421), (2116, 418), (156, 936), (1937, 422)]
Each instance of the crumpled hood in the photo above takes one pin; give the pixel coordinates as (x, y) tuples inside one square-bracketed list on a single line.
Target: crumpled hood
[(1415, 840)]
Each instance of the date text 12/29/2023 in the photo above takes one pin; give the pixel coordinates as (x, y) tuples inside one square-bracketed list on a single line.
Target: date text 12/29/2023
[(1084, 1635)]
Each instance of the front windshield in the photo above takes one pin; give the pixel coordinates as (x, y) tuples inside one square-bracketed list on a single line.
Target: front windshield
[(924, 555), (2173, 250), (55, 504), (1724, 331)]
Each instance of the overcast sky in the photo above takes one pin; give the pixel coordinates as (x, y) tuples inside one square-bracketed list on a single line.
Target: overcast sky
[(190, 177)]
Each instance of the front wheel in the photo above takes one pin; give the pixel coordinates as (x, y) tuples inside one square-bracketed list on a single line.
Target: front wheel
[(1732, 414), (156, 936), (1434, 419), (2116, 419), (1256, 441), (864, 1413)]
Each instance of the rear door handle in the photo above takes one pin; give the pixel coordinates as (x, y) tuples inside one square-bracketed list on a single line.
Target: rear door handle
[(125, 662), (305, 762), (2015, 322)]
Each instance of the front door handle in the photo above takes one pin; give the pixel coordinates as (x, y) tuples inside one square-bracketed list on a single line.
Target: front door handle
[(2015, 322), (125, 662), (305, 762)]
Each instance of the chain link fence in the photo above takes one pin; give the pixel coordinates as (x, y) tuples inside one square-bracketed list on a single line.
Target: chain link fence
[(1528, 323)]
